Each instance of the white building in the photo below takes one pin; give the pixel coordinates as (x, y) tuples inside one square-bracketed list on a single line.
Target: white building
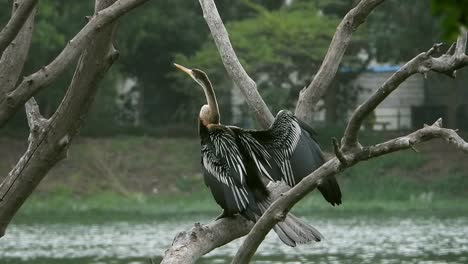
[(394, 113)]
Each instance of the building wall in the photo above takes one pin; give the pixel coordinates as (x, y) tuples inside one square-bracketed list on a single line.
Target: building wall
[(394, 112), (449, 95)]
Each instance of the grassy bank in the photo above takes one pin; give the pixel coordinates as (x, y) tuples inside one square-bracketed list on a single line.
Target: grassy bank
[(383, 195), (113, 207), (145, 178)]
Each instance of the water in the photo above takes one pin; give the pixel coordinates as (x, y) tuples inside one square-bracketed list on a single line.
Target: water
[(347, 240)]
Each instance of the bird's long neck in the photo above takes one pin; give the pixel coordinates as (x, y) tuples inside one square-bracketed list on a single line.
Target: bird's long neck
[(210, 115)]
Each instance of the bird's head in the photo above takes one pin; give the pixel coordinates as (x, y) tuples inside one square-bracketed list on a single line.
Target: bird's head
[(198, 75), (209, 114)]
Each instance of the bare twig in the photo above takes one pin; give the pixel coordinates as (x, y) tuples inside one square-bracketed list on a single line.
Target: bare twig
[(22, 9), (422, 63), (309, 97), (235, 70), (338, 153), (330, 168), (48, 74)]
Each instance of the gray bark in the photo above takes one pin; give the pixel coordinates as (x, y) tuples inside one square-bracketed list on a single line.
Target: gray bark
[(14, 57), (21, 11), (188, 246)]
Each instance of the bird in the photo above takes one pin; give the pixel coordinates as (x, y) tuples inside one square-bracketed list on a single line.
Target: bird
[(237, 163)]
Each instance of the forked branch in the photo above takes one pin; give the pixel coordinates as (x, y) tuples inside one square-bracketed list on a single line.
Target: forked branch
[(49, 139), (235, 70), (422, 63), (309, 97), (31, 84)]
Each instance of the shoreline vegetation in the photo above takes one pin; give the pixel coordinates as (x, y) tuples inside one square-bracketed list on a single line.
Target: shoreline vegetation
[(111, 206), (143, 178)]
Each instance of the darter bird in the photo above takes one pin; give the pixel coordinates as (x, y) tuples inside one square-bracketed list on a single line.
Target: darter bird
[(236, 161)]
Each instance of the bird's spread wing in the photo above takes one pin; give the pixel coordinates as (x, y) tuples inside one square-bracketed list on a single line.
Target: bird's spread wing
[(279, 141), (224, 170), (257, 153)]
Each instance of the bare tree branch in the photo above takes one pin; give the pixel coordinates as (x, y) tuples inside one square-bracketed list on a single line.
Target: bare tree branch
[(422, 63), (10, 103), (235, 70), (14, 57), (201, 239), (21, 11), (309, 96), (49, 139), (188, 246)]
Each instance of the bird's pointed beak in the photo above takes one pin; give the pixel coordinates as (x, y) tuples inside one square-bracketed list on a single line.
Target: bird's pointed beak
[(184, 69)]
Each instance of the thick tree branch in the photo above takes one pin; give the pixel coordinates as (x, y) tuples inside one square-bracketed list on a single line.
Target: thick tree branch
[(235, 70), (188, 246), (283, 204), (191, 245), (31, 84), (422, 63), (14, 57), (309, 97), (22, 9), (49, 139)]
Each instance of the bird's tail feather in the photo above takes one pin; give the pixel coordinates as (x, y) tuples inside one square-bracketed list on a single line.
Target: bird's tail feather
[(330, 190), (292, 230)]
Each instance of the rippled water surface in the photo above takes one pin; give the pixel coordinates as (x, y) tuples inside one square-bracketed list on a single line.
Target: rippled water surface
[(347, 240)]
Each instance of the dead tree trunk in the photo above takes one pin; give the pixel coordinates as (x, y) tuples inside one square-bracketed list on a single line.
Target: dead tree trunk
[(49, 139)]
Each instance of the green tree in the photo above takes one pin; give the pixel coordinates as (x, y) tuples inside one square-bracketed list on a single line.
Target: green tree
[(152, 36), (453, 14), (399, 29)]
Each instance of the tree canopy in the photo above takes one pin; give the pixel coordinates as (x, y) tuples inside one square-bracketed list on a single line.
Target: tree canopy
[(280, 43)]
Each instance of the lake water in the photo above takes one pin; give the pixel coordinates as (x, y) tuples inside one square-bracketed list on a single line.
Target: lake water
[(347, 240)]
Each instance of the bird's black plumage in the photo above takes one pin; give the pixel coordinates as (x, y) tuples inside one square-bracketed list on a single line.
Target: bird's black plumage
[(293, 152), (238, 188)]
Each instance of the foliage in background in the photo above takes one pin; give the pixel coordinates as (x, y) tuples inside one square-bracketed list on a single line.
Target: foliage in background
[(453, 14), (400, 29), (272, 40)]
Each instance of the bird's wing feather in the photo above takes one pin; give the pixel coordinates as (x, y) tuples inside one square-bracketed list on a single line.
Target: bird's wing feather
[(257, 153), (280, 142), (224, 171)]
